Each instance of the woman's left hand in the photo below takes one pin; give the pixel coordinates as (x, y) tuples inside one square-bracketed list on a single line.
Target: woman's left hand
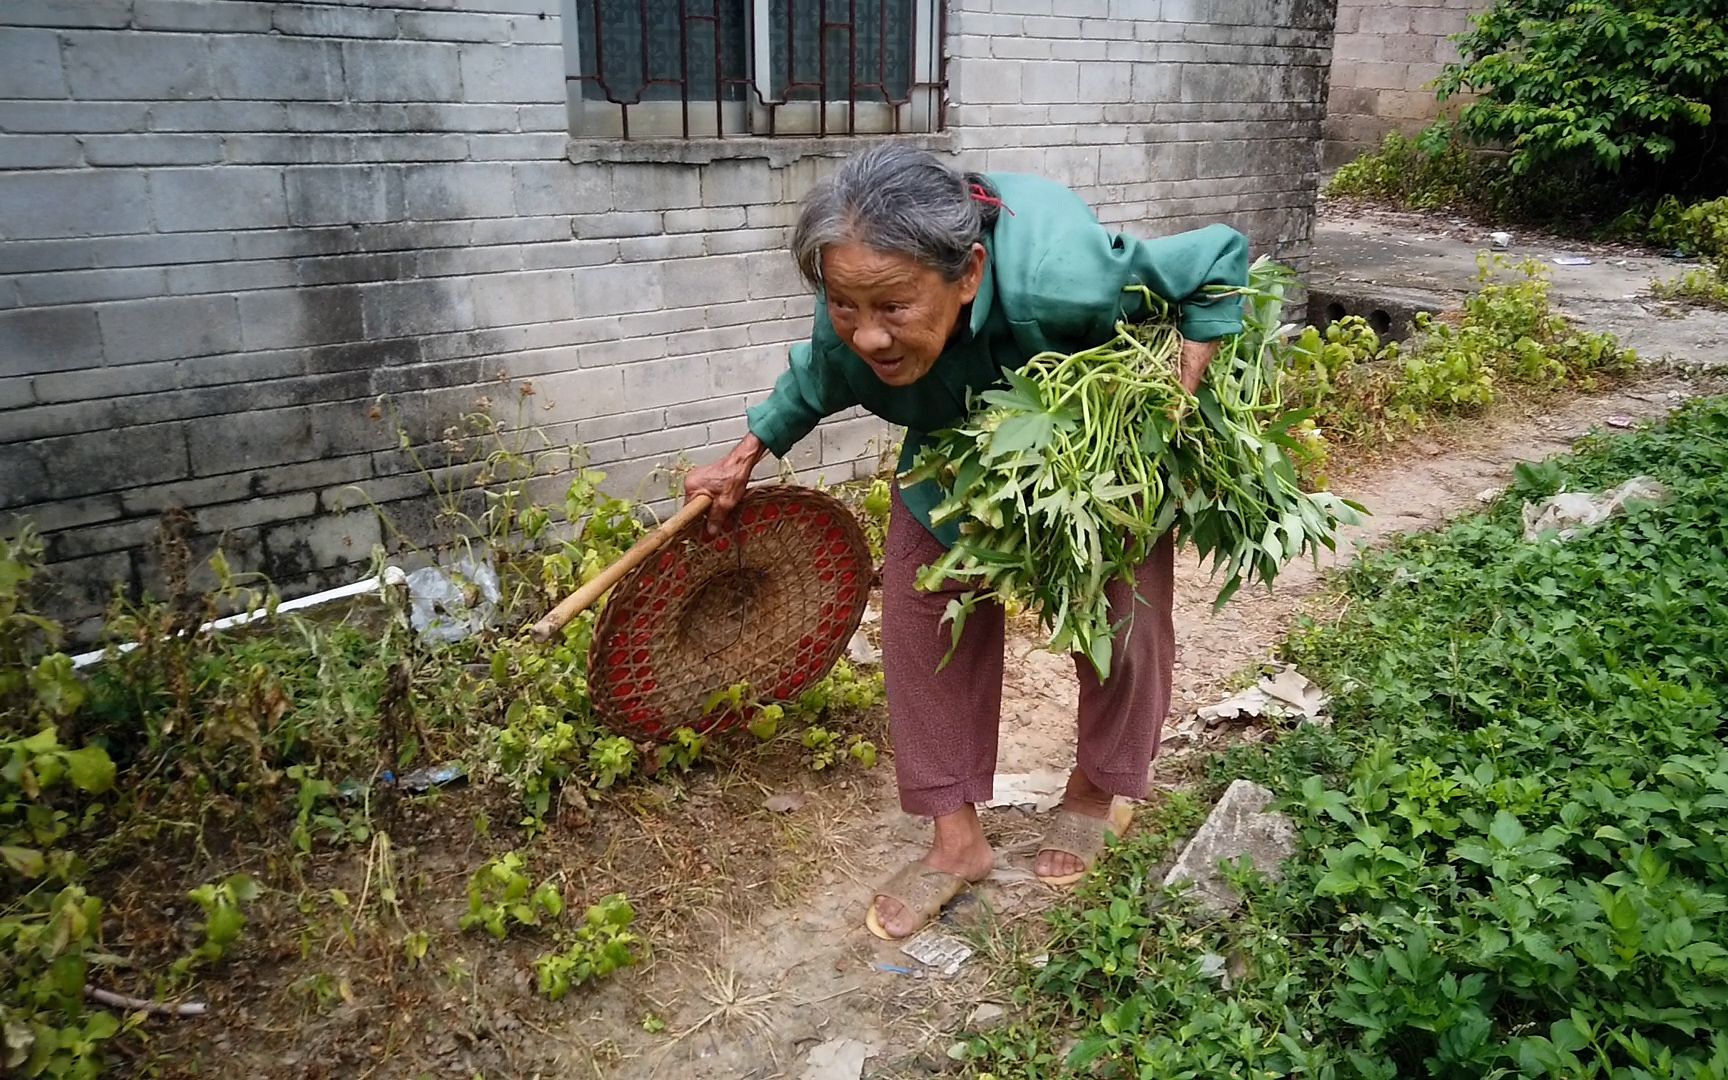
[(1196, 357)]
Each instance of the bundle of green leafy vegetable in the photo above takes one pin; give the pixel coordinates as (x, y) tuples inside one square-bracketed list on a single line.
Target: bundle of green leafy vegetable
[(1064, 479)]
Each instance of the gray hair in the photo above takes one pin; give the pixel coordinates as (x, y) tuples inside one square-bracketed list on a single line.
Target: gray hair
[(896, 199)]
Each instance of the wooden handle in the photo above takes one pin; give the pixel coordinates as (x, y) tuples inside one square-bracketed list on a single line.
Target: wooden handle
[(578, 601)]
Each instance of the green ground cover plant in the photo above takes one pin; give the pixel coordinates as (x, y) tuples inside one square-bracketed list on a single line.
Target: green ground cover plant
[(1512, 857)]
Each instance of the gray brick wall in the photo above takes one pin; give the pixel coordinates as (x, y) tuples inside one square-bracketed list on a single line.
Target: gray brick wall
[(1385, 60), (230, 231)]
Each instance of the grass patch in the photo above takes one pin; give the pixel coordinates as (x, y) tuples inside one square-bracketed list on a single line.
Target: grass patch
[(1512, 852)]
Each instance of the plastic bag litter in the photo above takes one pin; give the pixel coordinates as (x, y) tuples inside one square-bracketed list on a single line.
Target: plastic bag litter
[(447, 606), (1571, 512)]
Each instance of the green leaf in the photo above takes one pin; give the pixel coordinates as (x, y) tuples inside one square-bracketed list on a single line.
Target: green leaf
[(91, 769), (26, 862)]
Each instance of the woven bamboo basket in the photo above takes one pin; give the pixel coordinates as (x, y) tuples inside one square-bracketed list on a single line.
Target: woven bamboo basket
[(771, 603)]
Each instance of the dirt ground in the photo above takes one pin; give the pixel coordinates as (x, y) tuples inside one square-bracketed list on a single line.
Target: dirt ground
[(761, 966)]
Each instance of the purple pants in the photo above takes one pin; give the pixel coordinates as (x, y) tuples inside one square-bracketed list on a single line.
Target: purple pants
[(944, 723)]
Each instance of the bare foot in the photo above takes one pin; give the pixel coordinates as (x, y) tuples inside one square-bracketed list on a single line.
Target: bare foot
[(1082, 797), (959, 849)]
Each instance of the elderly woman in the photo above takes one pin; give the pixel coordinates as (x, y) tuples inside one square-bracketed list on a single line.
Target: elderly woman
[(930, 284)]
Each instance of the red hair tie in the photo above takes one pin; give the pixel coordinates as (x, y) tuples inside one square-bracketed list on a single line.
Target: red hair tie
[(983, 196)]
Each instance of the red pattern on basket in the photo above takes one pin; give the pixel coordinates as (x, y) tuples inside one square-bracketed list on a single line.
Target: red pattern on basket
[(662, 648)]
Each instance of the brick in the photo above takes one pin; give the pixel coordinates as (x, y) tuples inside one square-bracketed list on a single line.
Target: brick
[(330, 540), (30, 64), (743, 370), (568, 253), (16, 393), (169, 328), (294, 149), (591, 392), (716, 219), (49, 339), (466, 190), (661, 248), (291, 318), (89, 286), (453, 26), (113, 14), (1020, 48), (666, 382), (83, 203), (136, 66), (112, 459), (154, 148), (1086, 51), (1106, 83), (851, 440), (518, 147), (39, 152), (608, 226), (402, 71), (397, 148), (226, 197), (445, 262), (511, 299), (540, 29), (1382, 76), (666, 442), (93, 384), (740, 183), (562, 187), (990, 81), (638, 186), (215, 116), (340, 22), (517, 73), (613, 290), (277, 69), (230, 16), (408, 308), (344, 195)]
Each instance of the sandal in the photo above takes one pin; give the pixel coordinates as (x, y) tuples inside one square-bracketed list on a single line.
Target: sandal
[(1083, 837), (922, 889)]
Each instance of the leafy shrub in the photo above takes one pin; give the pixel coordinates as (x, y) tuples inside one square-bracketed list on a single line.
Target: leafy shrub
[(1699, 228), (600, 946), (501, 895), (1511, 861), (1355, 388), (1613, 84)]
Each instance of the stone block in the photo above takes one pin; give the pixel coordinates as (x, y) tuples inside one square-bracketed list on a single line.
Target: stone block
[(230, 16), (170, 328), (344, 195), (295, 318), (402, 71), (513, 299), (113, 459), (34, 341), (223, 197), (1239, 826), (666, 382), (300, 547), (707, 219), (1104, 83), (412, 308), (30, 64), (40, 152), (651, 186), (613, 290), (459, 190), (453, 26), (26, 476), (113, 14), (533, 146), (90, 286), (152, 148), (562, 187), (324, 20), (268, 68), (661, 248), (136, 66), (529, 74), (41, 205), (215, 116), (740, 183), (985, 82), (666, 443)]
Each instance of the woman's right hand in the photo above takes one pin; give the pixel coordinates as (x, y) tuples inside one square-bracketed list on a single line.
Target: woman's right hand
[(725, 480)]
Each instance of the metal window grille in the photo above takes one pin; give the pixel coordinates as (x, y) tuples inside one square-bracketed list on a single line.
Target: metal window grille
[(704, 68)]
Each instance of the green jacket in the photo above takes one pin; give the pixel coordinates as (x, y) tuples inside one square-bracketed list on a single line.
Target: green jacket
[(1053, 281)]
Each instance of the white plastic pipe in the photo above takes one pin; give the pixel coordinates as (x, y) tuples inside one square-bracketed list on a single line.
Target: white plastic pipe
[(391, 575)]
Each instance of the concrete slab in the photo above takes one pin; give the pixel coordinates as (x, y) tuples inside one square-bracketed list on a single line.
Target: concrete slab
[(1421, 261)]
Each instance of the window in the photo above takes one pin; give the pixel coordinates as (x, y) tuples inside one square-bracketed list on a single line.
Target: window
[(705, 68)]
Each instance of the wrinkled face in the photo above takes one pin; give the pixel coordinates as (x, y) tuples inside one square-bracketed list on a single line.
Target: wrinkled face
[(892, 310)]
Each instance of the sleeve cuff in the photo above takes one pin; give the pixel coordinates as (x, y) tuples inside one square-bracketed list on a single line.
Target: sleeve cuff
[(775, 430), (1204, 324)]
